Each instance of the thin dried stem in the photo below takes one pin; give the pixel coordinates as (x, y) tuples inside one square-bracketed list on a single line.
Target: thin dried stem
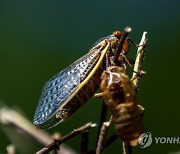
[(102, 136), (56, 143), (13, 119), (120, 45), (102, 119), (139, 59), (11, 149), (127, 149), (18, 125)]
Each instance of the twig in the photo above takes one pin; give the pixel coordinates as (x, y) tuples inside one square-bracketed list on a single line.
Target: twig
[(115, 61), (84, 142), (56, 136), (56, 143), (102, 119), (127, 149), (11, 149), (53, 146), (102, 136), (11, 118), (120, 44), (139, 59), (20, 130), (108, 142)]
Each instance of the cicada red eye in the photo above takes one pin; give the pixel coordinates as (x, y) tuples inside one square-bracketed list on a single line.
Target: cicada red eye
[(117, 33)]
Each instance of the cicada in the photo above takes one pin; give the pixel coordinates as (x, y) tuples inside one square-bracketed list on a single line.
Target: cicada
[(119, 95), (68, 90)]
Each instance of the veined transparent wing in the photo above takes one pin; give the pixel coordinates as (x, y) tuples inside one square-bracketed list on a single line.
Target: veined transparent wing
[(61, 86)]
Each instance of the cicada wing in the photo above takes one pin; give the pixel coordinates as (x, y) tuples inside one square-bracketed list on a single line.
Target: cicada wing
[(61, 86), (56, 91)]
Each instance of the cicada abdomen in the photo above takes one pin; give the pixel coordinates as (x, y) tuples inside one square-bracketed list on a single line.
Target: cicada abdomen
[(119, 94)]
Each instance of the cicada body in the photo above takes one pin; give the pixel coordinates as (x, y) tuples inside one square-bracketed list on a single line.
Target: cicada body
[(67, 91), (119, 94)]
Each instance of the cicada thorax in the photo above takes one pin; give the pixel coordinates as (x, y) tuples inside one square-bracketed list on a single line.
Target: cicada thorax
[(119, 94)]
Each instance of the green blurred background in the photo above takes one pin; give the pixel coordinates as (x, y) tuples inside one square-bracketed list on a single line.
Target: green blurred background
[(39, 38)]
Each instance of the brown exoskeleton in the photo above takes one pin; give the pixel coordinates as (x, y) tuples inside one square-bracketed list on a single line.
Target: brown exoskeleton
[(119, 95)]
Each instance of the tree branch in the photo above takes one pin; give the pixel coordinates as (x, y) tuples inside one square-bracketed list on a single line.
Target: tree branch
[(56, 143), (120, 44), (102, 136), (19, 130)]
